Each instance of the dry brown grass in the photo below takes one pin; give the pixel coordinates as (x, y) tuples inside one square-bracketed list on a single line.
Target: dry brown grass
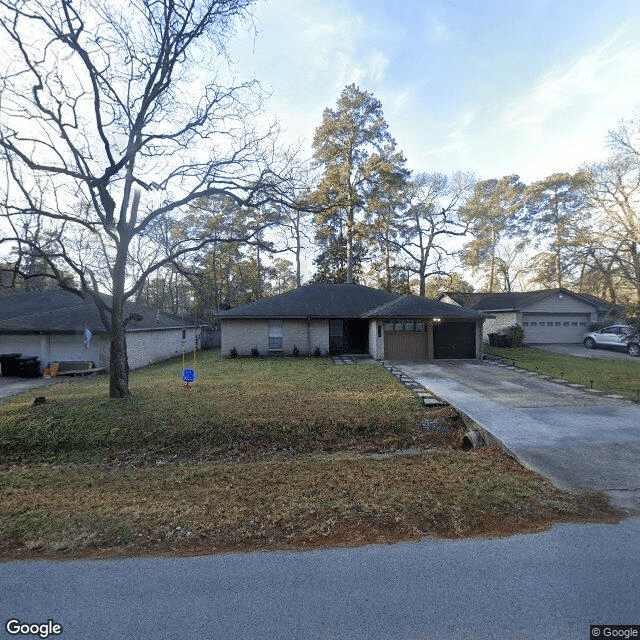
[(67, 511)]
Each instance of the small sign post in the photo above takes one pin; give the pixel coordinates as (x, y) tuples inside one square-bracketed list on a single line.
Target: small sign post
[(188, 376)]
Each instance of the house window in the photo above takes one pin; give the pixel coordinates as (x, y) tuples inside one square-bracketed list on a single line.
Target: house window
[(275, 335)]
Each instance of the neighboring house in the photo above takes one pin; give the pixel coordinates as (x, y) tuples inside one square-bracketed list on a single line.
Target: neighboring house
[(352, 318), (59, 326), (549, 316)]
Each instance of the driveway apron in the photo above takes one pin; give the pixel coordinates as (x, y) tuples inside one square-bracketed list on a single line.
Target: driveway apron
[(581, 440)]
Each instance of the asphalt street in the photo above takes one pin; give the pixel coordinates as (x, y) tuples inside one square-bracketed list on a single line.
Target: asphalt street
[(544, 586)]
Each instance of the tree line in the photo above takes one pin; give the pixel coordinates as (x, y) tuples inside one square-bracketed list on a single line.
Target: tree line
[(134, 166), (365, 217)]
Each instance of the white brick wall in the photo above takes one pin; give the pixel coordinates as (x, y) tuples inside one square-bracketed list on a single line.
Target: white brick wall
[(499, 323), (145, 347), (244, 334)]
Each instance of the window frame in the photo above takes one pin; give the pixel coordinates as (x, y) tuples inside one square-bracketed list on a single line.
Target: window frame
[(275, 333)]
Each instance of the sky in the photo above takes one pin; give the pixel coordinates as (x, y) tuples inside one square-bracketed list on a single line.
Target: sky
[(495, 87)]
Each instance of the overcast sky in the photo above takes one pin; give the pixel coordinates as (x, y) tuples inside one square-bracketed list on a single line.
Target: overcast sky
[(495, 87)]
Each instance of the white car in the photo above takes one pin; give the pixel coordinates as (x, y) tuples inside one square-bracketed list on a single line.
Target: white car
[(616, 336)]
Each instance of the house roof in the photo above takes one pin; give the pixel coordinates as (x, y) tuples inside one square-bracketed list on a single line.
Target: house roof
[(418, 307), (517, 300), (345, 301), (57, 311), (315, 300)]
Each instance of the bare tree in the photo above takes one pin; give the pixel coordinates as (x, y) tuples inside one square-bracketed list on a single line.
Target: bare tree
[(104, 101), (615, 190), (431, 221)]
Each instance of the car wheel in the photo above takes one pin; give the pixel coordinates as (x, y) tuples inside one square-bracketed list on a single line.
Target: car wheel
[(590, 343), (634, 349)]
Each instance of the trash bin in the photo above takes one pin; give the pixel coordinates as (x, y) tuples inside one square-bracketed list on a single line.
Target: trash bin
[(499, 340), (9, 364), (28, 367)]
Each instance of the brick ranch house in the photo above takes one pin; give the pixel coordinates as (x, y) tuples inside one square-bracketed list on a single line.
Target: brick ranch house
[(352, 318), (58, 326), (547, 316)]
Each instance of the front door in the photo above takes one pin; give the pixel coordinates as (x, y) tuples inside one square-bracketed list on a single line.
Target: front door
[(348, 335)]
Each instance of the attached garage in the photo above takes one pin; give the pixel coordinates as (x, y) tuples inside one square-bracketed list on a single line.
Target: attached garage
[(420, 329), (555, 328), (434, 341)]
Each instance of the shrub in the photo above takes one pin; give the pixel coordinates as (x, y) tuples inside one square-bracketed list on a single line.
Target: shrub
[(515, 335), (296, 351), (233, 353), (254, 352), (317, 352)]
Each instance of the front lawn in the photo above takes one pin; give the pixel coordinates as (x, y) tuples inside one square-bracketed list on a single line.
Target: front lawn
[(260, 454), (616, 376), (245, 408)]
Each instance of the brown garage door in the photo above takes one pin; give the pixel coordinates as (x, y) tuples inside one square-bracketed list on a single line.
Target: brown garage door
[(454, 340), (405, 345)]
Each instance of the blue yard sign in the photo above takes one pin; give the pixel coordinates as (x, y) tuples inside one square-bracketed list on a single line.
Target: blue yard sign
[(188, 375)]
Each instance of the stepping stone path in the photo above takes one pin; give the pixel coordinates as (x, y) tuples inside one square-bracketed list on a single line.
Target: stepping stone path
[(428, 399)]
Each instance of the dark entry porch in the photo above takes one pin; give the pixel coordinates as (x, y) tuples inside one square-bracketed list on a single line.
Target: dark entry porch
[(348, 335)]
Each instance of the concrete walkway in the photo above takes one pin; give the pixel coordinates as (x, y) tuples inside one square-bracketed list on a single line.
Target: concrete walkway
[(579, 439)]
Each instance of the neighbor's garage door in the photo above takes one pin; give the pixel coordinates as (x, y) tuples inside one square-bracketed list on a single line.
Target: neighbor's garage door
[(454, 340), (405, 345), (550, 328)]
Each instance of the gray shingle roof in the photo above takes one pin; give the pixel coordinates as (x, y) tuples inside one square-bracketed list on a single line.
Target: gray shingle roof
[(417, 307), (65, 312), (516, 300), (315, 300), (346, 301)]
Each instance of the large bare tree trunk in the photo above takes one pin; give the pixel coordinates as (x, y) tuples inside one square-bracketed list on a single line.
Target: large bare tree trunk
[(119, 369)]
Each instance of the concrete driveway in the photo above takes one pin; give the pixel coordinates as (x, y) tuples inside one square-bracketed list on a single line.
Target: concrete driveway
[(14, 386), (579, 439), (580, 351)]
